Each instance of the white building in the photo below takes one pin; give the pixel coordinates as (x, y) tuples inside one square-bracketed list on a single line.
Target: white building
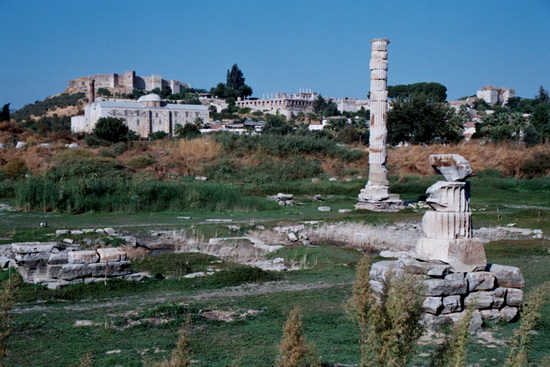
[(493, 95), (148, 115)]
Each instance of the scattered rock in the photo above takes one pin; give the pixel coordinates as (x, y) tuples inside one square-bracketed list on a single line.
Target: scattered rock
[(324, 209), (292, 237), (344, 210), (20, 145), (332, 179), (201, 178), (509, 313), (317, 198)]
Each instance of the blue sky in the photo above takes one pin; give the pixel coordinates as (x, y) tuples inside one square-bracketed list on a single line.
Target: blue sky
[(280, 45)]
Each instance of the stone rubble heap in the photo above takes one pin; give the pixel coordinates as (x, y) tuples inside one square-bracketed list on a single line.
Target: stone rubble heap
[(283, 199), (45, 263), (450, 263), (495, 291)]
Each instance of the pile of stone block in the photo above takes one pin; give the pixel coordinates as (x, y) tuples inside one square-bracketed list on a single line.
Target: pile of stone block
[(494, 292), (45, 263), (283, 199)]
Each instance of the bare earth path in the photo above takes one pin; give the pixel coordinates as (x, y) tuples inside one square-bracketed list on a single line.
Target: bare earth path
[(146, 299)]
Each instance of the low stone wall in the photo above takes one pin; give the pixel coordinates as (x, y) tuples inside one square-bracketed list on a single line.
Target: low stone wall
[(495, 292), (44, 263)]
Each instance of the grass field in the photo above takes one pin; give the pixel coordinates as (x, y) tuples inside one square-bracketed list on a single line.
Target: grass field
[(129, 324)]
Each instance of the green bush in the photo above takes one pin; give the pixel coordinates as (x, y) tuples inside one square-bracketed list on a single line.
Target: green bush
[(15, 168), (539, 166), (140, 162)]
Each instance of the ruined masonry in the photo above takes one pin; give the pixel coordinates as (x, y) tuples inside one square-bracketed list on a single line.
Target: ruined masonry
[(450, 262), (44, 263), (376, 194)]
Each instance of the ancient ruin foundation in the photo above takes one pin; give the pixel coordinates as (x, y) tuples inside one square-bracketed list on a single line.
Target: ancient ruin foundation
[(450, 262), (376, 194)]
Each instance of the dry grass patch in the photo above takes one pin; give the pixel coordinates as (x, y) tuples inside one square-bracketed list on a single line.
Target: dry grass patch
[(506, 157)]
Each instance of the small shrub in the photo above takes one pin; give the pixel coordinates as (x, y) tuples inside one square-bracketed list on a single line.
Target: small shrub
[(140, 162), (158, 135), (294, 350), (93, 141), (15, 168), (538, 166), (119, 148), (530, 317)]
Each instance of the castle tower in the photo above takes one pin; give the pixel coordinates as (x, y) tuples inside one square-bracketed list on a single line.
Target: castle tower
[(90, 91), (376, 194)]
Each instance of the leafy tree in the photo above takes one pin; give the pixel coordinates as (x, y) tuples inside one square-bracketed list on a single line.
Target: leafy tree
[(513, 102), (542, 95), (501, 126), (531, 136), (419, 121), (104, 92), (235, 78), (277, 124), (5, 114), (187, 131), (324, 108), (540, 119), (234, 86), (111, 129), (434, 92)]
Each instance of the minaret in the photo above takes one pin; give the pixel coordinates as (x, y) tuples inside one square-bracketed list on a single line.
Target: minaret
[(376, 194), (90, 93)]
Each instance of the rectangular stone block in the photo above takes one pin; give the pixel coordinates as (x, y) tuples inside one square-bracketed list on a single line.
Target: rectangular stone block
[(480, 281), (110, 269), (507, 276), (82, 257), (451, 304), (432, 305), (480, 300), (74, 271), (499, 297), (111, 254), (59, 258), (514, 297), (32, 247), (52, 271), (445, 287), (464, 255)]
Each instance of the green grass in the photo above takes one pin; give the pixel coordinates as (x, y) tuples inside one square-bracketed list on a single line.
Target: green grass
[(125, 313)]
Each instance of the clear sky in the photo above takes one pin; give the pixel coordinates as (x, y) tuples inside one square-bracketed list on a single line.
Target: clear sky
[(280, 45)]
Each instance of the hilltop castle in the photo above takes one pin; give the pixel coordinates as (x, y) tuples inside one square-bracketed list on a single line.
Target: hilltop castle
[(124, 83)]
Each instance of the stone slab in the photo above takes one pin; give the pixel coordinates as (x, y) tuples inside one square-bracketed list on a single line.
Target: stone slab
[(464, 255)]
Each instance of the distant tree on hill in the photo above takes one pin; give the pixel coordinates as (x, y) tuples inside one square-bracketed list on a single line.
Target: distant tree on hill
[(419, 121), (104, 92), (542, 95), (540, 119), (111, 129), (234, 86), (433, 92), (324, 108), (5, 113), (501, 126)]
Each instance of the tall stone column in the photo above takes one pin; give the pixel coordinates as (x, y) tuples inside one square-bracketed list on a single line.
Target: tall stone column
[(376, 194)]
